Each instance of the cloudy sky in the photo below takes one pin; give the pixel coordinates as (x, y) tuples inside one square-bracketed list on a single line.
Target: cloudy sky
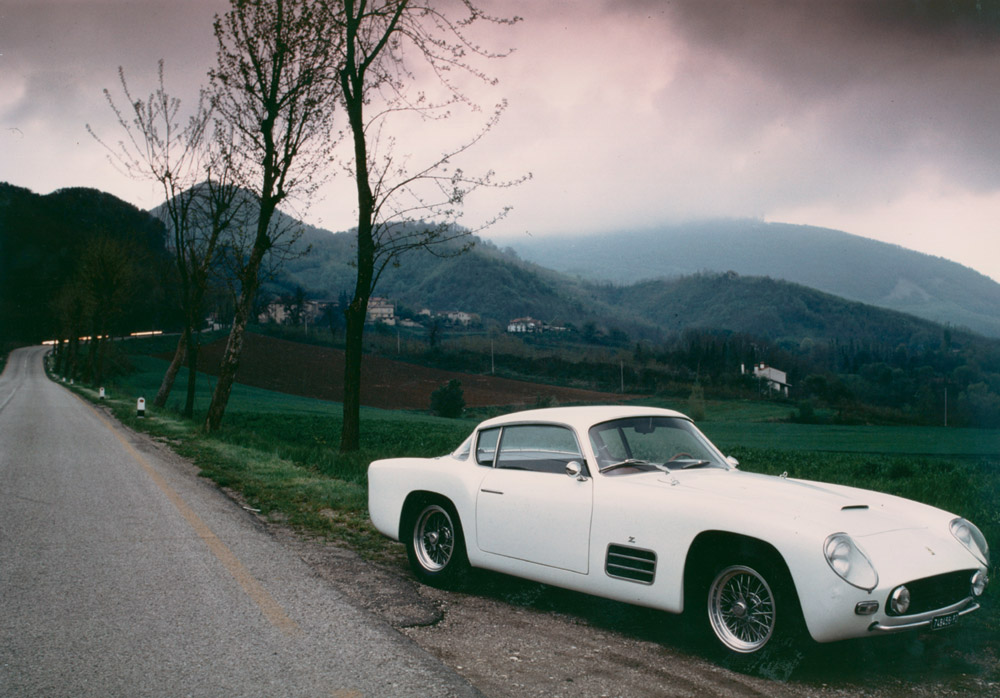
[(877, 117)]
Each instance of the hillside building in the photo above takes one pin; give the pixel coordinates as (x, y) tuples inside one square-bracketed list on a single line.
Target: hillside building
[(459, 317), (776, 381), (381, 310), (524, 324), (280, 312)]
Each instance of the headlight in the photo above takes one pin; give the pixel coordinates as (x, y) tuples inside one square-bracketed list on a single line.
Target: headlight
[(850, 562), (972, 538), (899, 600), (979, 582)]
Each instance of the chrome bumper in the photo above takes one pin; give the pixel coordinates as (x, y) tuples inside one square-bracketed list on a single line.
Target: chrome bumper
[(924, 620)]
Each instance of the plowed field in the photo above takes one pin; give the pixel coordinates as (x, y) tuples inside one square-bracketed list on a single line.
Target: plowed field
[(311, 371)]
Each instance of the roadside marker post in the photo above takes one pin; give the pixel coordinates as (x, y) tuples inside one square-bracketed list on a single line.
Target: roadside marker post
[(102, 393), (140, 407)]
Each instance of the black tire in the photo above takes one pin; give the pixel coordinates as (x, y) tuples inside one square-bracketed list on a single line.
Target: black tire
[(435, 545), (749, 611)]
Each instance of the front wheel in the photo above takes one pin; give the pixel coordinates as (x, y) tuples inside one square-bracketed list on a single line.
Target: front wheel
[(742, 609), (436, 546)]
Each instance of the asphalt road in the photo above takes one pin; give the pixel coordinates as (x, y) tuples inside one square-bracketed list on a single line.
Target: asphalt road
[(124, 574)]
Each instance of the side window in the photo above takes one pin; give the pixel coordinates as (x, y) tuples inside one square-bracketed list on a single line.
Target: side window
[(538, 448), (486, 446)]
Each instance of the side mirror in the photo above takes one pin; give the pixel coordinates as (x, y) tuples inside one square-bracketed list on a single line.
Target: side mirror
[(574, 469), (733, 462)]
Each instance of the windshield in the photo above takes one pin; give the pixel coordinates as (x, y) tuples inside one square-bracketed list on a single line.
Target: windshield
[(647, 443)]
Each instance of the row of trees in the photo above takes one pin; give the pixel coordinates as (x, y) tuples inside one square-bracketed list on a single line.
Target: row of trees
[(112, 279), (290, 77)]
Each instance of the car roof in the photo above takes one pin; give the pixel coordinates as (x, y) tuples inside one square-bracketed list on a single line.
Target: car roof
[(580, 417)]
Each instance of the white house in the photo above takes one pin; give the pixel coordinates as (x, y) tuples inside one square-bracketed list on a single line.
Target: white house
[(381, 310), (524, 324), (776, 381), (459, 317)]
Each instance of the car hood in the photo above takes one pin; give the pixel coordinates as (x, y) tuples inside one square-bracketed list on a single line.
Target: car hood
[(855, 511)]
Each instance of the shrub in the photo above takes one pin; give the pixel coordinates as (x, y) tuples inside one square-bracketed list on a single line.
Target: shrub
[(448, 400)]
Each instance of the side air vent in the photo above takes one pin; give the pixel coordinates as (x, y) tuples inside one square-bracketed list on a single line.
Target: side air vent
[(633, 564)]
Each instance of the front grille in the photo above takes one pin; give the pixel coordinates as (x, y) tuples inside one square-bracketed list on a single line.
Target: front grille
[(932, 593), (633, 564)]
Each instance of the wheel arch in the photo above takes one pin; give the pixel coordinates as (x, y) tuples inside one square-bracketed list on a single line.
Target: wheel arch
[(710, 548), (416, 499), (712, 551)]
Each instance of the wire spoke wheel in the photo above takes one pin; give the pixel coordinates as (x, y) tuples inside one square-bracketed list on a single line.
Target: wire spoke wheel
[(434, 538), (741, 609)]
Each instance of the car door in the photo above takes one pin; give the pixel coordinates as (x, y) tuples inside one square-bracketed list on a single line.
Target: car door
[(528, 508)]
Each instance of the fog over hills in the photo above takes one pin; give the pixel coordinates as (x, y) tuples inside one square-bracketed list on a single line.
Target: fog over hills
[(832, 261)]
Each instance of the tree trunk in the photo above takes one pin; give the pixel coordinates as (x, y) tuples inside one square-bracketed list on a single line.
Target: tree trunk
[(61, 351), (168, 378), (230, 364), (73, 356), (192, 357), (101, 351), (350, 435), (244, 307), (91, 370)]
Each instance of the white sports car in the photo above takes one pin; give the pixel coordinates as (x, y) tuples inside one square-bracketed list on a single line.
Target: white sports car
[(636, 504)]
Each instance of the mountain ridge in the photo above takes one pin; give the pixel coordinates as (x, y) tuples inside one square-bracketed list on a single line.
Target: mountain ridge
[(845, 265)]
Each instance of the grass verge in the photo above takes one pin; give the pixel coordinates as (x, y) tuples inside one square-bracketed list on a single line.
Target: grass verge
[(279, 452)]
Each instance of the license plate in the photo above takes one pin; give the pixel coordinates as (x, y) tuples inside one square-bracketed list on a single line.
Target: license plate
[(944, 621)]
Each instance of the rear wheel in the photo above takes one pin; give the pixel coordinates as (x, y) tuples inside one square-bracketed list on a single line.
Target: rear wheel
[(435, 546)]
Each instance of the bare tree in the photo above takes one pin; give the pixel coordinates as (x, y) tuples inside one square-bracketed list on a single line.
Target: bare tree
[(382, 40), (184, 159), (274, 85)]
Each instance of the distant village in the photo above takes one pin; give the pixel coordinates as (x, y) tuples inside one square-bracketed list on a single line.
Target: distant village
[(382, 311)]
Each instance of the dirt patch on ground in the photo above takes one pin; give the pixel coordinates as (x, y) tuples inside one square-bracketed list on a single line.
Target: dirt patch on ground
[(318, 372)]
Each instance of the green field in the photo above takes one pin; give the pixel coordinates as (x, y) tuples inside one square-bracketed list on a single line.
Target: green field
[(931, 441)]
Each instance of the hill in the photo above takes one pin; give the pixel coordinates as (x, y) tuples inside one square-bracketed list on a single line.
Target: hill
[(486, 281), (844, 265), (770, 309), (498, 285), (41, 241), (572, 280)]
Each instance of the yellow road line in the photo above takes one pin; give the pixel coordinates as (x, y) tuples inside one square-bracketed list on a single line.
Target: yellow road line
[(271, 609)]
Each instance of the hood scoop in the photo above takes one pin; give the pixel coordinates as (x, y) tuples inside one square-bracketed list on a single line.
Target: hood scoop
[(849, 507)]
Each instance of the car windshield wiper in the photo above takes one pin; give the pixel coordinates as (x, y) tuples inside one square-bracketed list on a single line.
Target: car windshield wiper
[(682, 464), (628, 462), (693, 463)]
